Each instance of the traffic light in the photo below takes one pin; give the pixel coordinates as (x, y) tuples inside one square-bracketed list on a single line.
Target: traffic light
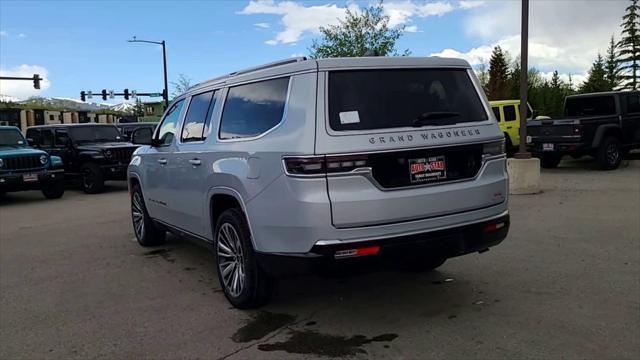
[(104, 94), (126, 94), (82, 95), (36, 81)]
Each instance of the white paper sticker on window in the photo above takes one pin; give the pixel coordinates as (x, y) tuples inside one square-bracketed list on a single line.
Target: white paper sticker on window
[(349, 117)]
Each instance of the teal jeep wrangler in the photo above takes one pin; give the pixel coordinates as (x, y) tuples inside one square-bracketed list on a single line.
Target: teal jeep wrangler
[(25, 168)]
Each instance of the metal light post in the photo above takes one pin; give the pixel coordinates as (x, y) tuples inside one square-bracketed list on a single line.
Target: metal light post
[(524, 72), (165, 95)]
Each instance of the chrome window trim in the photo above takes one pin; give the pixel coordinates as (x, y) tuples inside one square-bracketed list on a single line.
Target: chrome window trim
[(216, 93), (273, 128)]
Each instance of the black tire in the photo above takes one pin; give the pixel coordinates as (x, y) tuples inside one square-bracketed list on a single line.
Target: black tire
[(550, 161), (54, 190), (147, 232), (609, 153), (424, 263), (234, 256), (92, 178)]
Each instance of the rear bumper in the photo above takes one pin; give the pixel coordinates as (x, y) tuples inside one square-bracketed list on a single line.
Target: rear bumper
[(450, 242), (15, 182), (560, 148)]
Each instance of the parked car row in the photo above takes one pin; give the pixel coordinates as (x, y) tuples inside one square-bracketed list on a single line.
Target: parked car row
[(91, 153)]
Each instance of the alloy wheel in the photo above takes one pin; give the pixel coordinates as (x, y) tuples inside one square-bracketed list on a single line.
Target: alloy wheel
[(612, 153), (230, 259), (137, 213)]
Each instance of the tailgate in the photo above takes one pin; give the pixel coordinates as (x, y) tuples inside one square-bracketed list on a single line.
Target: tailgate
[(550, 130)]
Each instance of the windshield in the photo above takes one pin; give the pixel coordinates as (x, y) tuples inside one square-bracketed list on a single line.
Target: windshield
[(12, 138), (379, 99), (94, 134)]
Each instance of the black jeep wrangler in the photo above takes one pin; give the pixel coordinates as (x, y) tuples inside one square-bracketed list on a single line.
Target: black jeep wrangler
[(604, 125), (91, 152)]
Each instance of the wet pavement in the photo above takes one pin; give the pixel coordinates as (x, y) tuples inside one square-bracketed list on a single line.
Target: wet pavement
[(564, 284)]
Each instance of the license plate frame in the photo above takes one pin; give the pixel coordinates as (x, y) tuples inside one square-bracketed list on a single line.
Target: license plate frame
[(548, 147), (427, 169), (29, 178)]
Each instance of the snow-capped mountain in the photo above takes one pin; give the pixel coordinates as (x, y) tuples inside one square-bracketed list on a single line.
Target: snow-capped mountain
[(124, 107)]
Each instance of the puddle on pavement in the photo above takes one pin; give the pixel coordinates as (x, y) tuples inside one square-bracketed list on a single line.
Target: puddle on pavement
[(163, 253), (261, 324), (313, 343)]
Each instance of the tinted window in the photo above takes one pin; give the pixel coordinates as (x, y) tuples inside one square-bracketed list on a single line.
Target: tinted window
[(62, 137), (46, 137), (252, 109), (168, 126), (97, 133), (633, 103), (34, 135), (496, 112), (11, 137), (590, 106), (196, 122), (378, 99), (509, 113)]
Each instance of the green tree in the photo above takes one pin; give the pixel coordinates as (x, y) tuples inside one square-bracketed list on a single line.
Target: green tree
[(357, 34), (498, 86), (596, 80), (138, 109), (629, 45), (612, 66), (483, 75)]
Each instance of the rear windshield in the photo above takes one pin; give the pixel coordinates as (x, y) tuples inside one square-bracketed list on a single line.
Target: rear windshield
[(380, 99), (590, 106)]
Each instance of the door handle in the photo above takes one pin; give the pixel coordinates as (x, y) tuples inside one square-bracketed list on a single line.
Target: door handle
[(195, 162), (162, 161), (509, 127)]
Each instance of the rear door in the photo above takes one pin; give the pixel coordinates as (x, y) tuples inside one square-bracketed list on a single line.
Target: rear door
[(402, 144), (512, 123), (631, 120)]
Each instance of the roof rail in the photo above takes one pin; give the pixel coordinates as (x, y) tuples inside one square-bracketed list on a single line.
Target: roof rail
[(270, 65)]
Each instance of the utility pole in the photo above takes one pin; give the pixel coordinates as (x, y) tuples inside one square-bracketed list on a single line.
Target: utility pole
[(165, 93), (524, 72)]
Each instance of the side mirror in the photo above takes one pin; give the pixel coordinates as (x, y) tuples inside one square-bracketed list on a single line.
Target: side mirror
[(142, 136), (31, 142)]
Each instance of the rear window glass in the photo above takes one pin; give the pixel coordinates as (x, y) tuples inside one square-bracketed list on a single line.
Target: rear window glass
[(509, 112), (253, 109), (380, 99), (590, 106), (496, 112)]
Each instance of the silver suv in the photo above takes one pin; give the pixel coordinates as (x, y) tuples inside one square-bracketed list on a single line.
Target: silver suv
[(303, 163)]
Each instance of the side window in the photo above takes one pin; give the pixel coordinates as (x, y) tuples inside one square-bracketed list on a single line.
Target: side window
[(509, 113), (34, 134), (253, 109), (633, 103), (496, 112), (168, 126), (196, 121), (62, 138), (46, 138)]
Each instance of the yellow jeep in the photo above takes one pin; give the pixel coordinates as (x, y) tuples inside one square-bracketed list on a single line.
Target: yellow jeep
[(508, 115)]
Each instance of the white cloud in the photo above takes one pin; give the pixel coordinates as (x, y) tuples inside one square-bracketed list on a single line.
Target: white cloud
[(563, 36), (298, 19), (262, 25), (22, 89), (470, 4), (3, 33)]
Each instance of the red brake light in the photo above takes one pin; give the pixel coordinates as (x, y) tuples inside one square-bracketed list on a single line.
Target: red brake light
[(493, 227), (305, 165), (319, 165)]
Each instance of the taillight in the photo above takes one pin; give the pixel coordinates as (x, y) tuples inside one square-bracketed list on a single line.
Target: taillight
[(337, 164), (494, 148), (320, 165), (305, 165)]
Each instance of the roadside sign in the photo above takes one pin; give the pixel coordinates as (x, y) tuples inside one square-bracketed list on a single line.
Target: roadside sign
[(134, 94), (111, 94), (89, 94), (155, 94)]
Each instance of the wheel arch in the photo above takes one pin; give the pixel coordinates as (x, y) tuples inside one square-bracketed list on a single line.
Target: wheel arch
[(606, 130), (223, 198)]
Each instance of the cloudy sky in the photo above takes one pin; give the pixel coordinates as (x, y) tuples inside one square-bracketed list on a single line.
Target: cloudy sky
[(82, 45)]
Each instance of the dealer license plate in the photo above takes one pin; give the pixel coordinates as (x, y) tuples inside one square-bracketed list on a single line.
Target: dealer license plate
[(30, 177), (429, 169), (547, 147)]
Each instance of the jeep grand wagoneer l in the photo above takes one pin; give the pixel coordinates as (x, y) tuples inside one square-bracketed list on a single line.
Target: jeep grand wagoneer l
[(307, 162)]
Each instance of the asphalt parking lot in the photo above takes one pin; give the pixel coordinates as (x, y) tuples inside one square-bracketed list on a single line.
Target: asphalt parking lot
[(564, 284)]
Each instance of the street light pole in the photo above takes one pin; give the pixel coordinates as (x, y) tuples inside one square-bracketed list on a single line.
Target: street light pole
[(165, 94), (524, 72)]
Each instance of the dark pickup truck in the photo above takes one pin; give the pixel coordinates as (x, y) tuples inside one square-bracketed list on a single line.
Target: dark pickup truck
[(604, 125), (91, 152)]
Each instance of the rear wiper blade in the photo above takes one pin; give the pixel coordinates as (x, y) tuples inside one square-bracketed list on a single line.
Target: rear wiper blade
[(428, 117)]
